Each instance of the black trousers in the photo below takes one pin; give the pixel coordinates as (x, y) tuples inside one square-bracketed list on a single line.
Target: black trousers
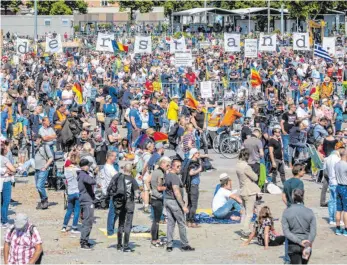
[(280, 169), (193, 198), (87, 222), (126, 214), (157, 212), (295, 254), (279, 240), (323, 193), (256, 168)]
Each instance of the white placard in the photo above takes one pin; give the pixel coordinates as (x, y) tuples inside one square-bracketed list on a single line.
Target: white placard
[(104, 42), (143, 44), (183, 58), (251, 48), (232, 42), (329, 45), (267, 42), (301, 41), (177, 45), (205, 45), (339, 52), (22, 46), (54, 45), (206, 89), (15, 59)]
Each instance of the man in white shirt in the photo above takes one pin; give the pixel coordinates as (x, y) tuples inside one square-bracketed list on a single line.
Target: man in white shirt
[(301, 113), (67, 95), (100, 74), (225, 200), (106, 175)]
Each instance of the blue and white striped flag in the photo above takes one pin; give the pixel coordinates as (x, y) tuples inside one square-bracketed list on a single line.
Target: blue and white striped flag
[(320, 52)]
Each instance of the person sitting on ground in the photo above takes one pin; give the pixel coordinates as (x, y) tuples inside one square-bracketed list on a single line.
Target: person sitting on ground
[(264, 230), (225, 201)]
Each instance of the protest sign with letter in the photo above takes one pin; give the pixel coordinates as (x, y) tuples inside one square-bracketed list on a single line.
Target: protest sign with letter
[(301, 41), (177, 45), (143, 44), (104, 42), (22, 46), (251, 48), (54, 45), (231, 42), (183, 58), (267, 42)]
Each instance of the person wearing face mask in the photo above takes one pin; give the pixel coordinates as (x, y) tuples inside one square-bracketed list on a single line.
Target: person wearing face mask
[(23, 231)]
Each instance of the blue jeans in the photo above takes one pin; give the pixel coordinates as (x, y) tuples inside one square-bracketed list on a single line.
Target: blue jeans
[(111, 219), (5, 200), (224, 212), (40, 181), (285, 141), (73, 206), (332, 203), (338, 125), (197, 140), (296, 96)]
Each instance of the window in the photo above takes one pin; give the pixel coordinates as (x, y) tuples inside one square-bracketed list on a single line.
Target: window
[(65, 22), (47, 22), (104, 3)]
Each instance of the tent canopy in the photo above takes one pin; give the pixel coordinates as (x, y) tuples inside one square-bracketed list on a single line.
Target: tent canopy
[(196, 11), (259, 10)]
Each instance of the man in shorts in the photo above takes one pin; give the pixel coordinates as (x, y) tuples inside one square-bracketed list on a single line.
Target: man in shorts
[(341, 194)]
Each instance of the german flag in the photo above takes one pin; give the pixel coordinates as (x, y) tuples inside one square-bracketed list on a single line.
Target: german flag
[(192, 102), (77, 89), (255, 78)]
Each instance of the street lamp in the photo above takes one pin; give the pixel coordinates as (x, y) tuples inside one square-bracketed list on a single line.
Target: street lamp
[(249, 20)]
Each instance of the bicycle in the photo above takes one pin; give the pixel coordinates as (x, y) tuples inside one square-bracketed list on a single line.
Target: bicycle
[(230, 147)]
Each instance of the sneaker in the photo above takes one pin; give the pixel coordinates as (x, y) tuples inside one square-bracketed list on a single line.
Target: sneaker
[(86, 247), (25, 174), (119, 247), (75, 231), (128, 249), (332, 223), (169, 249), (324, 205), (63, 230), (344, 232), (338, 232), (187, 248), (146, 210)]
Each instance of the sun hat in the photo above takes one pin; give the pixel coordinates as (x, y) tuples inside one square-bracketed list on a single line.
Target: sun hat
[(223, 176)]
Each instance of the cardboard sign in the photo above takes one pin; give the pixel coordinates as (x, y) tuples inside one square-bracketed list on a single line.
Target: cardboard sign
[(267, 42), (232, 42), (206, 89), (54, 45), (104, 42), (22, 46), (183, 58), (251, 48), (329, 45), (301, 41), (177, 45), (143, 44)]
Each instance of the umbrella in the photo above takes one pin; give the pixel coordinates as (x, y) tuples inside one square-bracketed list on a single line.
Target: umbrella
[(160, 137)]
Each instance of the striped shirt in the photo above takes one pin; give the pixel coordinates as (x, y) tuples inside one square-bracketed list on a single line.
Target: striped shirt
[(22, 244), (186, 138)]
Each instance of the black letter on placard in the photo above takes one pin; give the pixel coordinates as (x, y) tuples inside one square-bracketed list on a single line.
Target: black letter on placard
[(103, 42), (267, 38), (177, 43), (303, 42), (143, 44), (53, 44), (231, 42), (25, 47)]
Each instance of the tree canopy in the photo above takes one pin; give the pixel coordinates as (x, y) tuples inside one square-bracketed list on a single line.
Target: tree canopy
[(61, 7)]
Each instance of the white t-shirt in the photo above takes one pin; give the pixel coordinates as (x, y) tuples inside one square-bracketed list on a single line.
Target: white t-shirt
[(301, 113), (106, 174), (221, 197), (67, 94), (100, 71)]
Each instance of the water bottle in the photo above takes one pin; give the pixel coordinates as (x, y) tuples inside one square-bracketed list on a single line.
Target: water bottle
[(307, 251)]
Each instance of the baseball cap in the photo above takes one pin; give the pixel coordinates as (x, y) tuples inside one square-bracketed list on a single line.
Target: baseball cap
[(301, 100), (192, 152), (108, 97), (20, 221), (159, 146), (223, 176)]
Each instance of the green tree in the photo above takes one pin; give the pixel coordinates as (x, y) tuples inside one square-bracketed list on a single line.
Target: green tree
[(45, 7), (11, 5)]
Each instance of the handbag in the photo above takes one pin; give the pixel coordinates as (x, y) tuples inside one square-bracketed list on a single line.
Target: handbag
[(100, 117)]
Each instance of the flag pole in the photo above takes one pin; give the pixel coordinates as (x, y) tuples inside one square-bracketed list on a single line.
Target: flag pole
[(313, 50)]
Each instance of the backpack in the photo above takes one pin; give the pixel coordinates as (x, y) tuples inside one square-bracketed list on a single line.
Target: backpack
[(117, 188), (31, 232), (310, 135), (185, 173)]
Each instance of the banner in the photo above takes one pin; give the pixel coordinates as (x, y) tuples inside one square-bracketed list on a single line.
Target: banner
[(204, 45), (143, 44), (301, 41), (251, 48), (177, 45), (231, 42), (329, 45), (267, 42), (183, 58), (53, 45), (22, 46), (104, 42), (206, 89)]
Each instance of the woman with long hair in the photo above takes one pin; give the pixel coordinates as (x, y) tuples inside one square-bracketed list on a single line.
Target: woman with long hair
[(264, 230)]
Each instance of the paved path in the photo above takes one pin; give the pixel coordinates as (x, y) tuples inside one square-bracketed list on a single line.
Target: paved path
[(213, 243)]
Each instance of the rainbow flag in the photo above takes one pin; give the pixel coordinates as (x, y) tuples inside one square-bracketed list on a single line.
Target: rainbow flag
[(192, 103), (255, 78), (77, 89), (117, 46)]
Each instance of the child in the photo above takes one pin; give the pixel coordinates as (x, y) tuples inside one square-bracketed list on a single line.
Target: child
[(264, 230)]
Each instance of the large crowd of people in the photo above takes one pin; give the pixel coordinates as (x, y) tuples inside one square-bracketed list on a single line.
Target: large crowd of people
[(113, 120)]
